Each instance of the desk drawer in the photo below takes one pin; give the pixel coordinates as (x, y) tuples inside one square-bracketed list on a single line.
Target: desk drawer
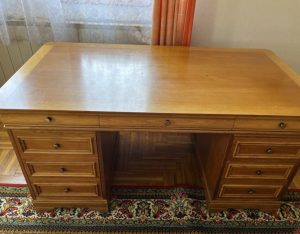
[(55, 142), (248, 191), (266, 147), (49, 119), (168, 122), (57, 145), (258, 171), (66, 190), (62, 169), (267, 124)]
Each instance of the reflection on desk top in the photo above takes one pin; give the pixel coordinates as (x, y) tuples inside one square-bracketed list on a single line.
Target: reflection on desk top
[(153, 79)]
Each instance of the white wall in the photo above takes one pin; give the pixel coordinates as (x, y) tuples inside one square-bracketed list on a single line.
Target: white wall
[(270, 24)]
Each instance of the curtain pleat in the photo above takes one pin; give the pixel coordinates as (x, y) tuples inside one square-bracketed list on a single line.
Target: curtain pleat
[(172, 22)]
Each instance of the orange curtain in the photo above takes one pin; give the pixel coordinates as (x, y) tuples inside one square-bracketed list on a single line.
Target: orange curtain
[(172, 22)]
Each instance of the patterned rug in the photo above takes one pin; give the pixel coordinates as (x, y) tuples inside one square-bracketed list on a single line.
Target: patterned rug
[(181, 210)]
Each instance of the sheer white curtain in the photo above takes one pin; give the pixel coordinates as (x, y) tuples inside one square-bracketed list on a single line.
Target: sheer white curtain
[(114, 21)]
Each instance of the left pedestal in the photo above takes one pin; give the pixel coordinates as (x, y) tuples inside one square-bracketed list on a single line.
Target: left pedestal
[(65, 168)]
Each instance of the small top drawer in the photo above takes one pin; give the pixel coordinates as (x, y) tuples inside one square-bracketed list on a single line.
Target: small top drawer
[(50, 119), (167, 122), (266, 147), (267, 124)]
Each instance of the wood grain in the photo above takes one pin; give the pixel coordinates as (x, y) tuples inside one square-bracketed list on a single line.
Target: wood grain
[(156, 159), (222, 105), (10, 171), (153, 79)]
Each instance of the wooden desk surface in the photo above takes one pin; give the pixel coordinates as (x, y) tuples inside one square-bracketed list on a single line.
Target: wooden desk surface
[(153, 79)]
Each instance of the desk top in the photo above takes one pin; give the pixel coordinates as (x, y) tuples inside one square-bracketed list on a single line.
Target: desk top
[(153, 79)]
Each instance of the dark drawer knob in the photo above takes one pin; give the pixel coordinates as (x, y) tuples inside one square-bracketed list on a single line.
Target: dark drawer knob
[(167, 122), (269, 151), (62, 169), (282, 125), (251, 191), (66, 190), (259, 172), (56, 146), (48, 119)]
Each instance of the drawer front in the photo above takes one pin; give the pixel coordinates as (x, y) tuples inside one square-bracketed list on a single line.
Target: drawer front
[(69, 190), (257, 171), (48, 119), (60, 145), (55, 142), (107, 121), (267, 124), (62, 169), (250, 191), (260, 147)]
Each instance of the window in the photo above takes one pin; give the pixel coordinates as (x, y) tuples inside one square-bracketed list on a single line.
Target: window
[(113, 21)]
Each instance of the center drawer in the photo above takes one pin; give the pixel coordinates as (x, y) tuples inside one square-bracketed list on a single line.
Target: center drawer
[(164, 122)]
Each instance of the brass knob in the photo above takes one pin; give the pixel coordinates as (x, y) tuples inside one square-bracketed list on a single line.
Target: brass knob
[(282, 125), (251, 191), (56, 146), (259, 172), (66, 190), (269, 151), (167, 122), (62, 169), (48, 119)]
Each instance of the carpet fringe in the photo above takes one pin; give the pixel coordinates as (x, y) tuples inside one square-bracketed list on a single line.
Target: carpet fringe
[(3, 231)]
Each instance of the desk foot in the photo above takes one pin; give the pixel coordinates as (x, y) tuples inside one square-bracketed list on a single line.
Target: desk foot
[(265, 206), (98, 205)]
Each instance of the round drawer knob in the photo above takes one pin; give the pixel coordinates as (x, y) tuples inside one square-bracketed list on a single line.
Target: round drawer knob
[(62, 169), (282, 125), (269, 151), (56, 146), (251, 191), (48, 119), (259, 172), (167, 122), (66, 190)]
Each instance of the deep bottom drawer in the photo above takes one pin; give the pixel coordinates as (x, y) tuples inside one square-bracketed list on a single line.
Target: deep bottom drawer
[(250, 191), (58, 189)]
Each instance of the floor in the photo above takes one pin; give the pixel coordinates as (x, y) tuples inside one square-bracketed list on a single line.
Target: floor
[(137, 165)]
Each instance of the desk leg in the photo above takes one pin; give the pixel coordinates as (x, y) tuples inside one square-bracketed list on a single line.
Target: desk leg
[(211, 152), (108, 145)]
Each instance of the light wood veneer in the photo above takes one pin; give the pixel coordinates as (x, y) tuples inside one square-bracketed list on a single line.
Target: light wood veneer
[(65, 107)]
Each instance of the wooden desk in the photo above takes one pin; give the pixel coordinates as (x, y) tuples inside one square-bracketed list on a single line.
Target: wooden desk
[(64, 108)]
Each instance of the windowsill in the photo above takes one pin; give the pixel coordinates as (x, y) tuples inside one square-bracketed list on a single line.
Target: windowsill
[(80, 24)]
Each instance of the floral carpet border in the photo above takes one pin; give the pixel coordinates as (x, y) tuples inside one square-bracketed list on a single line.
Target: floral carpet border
[(146, 210)]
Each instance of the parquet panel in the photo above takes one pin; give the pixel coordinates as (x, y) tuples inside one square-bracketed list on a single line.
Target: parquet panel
[(4, 140), (156, 159), (10, 171), (146, 159)]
